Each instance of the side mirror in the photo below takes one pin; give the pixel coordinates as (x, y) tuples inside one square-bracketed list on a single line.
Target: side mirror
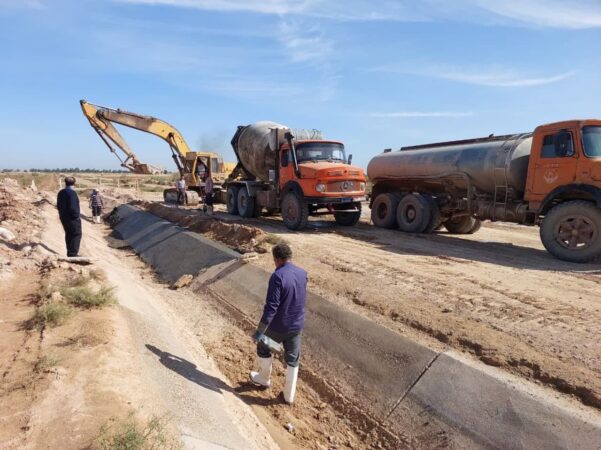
[(563, 144), (350, 159)]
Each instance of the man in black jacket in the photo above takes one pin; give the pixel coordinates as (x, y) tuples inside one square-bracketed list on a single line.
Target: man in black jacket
[(67, 204)]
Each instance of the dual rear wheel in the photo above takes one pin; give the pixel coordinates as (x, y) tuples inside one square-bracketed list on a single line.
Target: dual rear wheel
[(417, 213)]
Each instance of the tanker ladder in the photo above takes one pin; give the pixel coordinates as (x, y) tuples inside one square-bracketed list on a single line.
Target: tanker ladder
[(502, 183)]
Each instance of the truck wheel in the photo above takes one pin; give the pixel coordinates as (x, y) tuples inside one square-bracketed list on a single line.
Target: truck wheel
[(461, 225), (232, 200), (383, 210), (571, 231), (348, 218), (295, 212), (413, 213), (434, 215), (476, 227), (246, 203)]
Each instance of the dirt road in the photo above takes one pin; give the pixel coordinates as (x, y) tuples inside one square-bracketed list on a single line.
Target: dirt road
[(169, 361)]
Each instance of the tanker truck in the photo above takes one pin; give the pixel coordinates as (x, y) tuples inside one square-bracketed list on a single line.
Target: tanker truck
[(549, 178), (295, 172)]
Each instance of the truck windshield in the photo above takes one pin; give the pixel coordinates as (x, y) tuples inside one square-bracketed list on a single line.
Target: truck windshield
[(320, 151), (591, 136)]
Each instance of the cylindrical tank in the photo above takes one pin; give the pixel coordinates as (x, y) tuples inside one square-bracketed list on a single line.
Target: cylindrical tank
[(253, 146), (477, 158)]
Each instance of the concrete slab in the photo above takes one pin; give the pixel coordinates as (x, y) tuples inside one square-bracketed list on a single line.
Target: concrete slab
[(362, 355), (501, 412), (170, 250)]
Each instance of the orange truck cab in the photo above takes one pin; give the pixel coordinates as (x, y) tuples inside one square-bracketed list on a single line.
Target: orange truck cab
[(565, 163), (563, 188), (302, 178)]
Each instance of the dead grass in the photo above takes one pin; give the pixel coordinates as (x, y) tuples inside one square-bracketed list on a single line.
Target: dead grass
[(274, 239), (129, 434), (50, 315), (85, 297), (45, 363)]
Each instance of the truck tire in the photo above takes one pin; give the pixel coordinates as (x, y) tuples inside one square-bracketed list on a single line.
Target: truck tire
[(383, 210), (246, 203), (434, 215), (295, 212), (476, 227), (462, 225), (232, 200), (571, 231), (413, 213), (348, 218)]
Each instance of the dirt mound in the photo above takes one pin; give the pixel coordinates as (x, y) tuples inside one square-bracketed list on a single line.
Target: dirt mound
[(20, 217), (8, 209), (240, 237)]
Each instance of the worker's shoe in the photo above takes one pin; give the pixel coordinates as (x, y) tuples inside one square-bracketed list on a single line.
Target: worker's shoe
[(210, 210), (290, 385), (262, 377)]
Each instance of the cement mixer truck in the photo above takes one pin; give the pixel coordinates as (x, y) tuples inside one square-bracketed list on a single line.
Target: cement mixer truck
[(295, 172), (550, 177)]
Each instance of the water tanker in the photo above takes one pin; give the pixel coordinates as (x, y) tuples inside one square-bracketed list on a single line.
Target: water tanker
[(295, 172), (551, 178), (478, 158)]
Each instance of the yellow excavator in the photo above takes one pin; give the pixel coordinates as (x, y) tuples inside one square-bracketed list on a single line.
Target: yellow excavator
[(195, 167)]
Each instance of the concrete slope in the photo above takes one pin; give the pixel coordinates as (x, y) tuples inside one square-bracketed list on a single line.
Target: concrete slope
[(170, 250), (399, 383)]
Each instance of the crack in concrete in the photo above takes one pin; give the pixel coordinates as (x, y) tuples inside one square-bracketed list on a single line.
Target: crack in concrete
[(419, 377)]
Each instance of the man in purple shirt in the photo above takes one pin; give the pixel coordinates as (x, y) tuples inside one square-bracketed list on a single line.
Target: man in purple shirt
[(283, 320)]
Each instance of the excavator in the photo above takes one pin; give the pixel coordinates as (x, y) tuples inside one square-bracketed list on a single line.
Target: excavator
[(195, 167)]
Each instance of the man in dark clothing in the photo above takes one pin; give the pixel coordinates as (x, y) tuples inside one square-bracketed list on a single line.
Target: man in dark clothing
[(283, 320), (67, 203)]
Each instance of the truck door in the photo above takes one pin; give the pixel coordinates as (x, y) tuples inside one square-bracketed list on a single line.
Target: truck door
[(557, 161)]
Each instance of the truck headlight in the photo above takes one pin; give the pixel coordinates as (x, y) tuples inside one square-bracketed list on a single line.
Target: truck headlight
[(361, 186), (320, 187)]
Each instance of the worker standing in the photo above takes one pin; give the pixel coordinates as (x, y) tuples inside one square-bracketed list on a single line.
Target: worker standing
[(180, 185), (67, 203), (282, 321), (96, 205), (209, 195)]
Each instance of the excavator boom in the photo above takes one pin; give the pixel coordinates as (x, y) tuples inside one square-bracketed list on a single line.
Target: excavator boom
[(195, 167), (111, 137)]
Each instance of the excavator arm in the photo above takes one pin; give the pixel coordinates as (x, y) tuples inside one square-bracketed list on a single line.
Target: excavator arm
[(102, 119)]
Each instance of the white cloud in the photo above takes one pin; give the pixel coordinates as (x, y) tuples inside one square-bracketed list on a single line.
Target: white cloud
[(304, 43), (492, 77), (499, 79), (421, 114), (547, 13)]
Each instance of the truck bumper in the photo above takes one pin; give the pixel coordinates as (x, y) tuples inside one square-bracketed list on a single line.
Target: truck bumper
[(334, 200)]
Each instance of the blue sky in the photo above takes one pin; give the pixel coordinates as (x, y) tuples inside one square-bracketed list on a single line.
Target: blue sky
[(373, 74)]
